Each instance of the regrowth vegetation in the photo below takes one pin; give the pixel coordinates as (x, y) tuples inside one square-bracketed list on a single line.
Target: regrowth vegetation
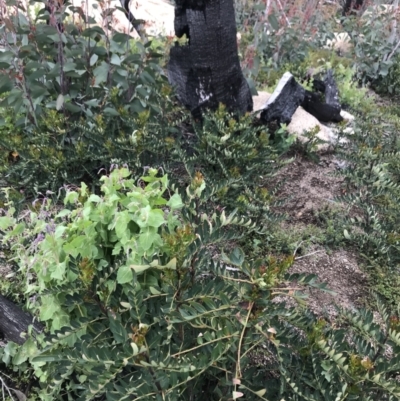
[(136, 306), (168, 278)]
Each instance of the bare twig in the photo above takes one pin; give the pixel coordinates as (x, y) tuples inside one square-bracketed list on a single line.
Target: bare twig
[(5, 387), (283, 12), (297, 247), (309, 254), (393, 51)]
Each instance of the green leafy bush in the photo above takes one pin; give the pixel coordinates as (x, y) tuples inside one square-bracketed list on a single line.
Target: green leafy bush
[(76, 95), (272, 38), (375, 37), (390, 83), (140, 301), (236, 158)]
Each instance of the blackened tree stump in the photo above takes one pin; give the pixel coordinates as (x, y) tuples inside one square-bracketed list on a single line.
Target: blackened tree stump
[(206, 71)]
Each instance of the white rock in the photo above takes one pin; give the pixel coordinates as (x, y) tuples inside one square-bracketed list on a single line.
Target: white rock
[(347, 116), (341, 42), (302, 122)]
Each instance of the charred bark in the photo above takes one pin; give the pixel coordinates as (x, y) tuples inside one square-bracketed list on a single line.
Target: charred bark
[(331, 90), (283, 103), (206, 71), (324, 102), (314, 104), (350, 6), (14, 321)]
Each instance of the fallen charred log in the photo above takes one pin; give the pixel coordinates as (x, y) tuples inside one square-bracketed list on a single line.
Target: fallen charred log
[(14, 321)]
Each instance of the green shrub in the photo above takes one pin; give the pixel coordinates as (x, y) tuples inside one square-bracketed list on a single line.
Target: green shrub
[(134, 290), (274, 43), (375, 37), (236, 158), (390, 83), (75, 97), (372, 177)]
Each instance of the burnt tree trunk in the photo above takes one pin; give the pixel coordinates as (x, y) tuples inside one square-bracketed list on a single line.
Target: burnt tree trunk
[(206, 71), (14, 321)]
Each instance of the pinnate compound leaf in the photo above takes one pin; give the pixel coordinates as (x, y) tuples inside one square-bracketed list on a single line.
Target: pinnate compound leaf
[(119, 331), (237, 257)]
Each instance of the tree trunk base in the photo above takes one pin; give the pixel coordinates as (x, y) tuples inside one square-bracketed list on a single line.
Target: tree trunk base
[(206, 71)]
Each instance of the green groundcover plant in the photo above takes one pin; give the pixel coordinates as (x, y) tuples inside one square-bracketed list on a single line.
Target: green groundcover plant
[(140, 301)]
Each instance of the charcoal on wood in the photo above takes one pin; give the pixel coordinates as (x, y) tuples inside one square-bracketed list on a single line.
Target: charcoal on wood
[(351, 6), (282, 104), (324, 103), (331, 91), (315, 105), (318, 85), (14, 321), (206, 71)]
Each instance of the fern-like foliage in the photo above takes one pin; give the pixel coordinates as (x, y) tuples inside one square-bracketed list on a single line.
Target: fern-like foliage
[(233, 157), (372, 178)]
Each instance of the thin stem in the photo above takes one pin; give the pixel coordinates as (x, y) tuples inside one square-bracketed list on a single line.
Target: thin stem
[(238, 280), (309, 254), (4, 386), (238, 368), (201, 345)]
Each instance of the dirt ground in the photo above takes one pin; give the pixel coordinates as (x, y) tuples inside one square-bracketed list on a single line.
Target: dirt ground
[(310, 187)]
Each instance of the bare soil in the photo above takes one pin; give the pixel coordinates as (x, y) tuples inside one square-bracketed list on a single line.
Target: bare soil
[(341, 272), (310, 187)]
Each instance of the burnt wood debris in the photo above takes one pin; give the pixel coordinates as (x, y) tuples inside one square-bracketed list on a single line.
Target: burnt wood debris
[(324, 110), (322, 103), (286, 98), (14, 321)]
